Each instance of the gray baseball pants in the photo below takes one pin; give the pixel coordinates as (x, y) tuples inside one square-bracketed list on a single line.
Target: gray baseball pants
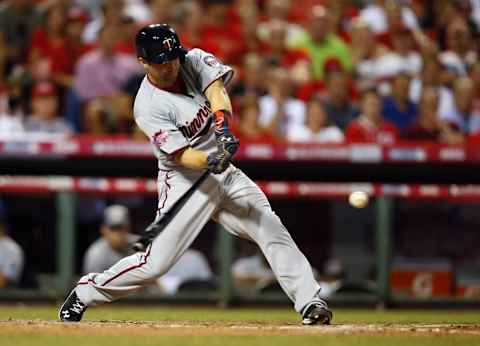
[(238, 204)]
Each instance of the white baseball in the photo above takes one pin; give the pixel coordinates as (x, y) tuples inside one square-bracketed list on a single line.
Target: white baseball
[(358, 199)]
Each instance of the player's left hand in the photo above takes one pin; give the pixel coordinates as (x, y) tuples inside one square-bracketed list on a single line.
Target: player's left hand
[(227, 142), (227, 147)]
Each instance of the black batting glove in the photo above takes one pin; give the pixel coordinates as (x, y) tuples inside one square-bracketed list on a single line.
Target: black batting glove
[(219, 161)]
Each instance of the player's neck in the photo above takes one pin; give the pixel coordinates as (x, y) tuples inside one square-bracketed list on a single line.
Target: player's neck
[(157, 83), (178, 87)]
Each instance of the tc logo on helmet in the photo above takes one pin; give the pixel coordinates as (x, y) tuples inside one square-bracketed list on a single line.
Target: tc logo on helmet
[(168, 43)]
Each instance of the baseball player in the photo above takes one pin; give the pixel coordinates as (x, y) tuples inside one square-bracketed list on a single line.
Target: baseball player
[(183, 107)]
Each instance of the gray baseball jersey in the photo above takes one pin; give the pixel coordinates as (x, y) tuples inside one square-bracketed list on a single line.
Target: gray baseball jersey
[(174, 121)]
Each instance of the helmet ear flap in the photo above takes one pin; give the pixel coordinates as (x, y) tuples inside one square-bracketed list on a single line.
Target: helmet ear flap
[(182, 54), (143, 53)]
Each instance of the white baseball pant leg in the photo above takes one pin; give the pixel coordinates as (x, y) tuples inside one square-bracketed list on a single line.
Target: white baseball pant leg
[(242, 208), (131, 273), (247, 213)]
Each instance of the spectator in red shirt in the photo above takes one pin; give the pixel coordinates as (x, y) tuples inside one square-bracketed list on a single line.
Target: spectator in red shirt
[(369, 127), (429, 127), (246, 16), (188, 17), (77, 18), (48, 55), (228, 36)]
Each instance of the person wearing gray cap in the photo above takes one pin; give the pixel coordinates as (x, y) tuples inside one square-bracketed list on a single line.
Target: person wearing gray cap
[(115, 242), (11, 256)]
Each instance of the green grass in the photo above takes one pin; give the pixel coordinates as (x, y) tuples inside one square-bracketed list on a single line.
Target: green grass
[(181, 313), (328, 340), (267, 316)]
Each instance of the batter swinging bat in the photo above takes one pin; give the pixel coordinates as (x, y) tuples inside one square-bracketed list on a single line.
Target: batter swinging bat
[(158, 225)]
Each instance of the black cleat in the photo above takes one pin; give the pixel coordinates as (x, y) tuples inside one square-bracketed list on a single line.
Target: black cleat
[(317, 313), (72, 309)]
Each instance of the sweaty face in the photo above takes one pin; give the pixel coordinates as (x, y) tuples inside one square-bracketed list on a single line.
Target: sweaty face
[(164, 75)]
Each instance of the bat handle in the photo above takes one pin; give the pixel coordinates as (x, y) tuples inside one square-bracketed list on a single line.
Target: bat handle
[(139, 246)]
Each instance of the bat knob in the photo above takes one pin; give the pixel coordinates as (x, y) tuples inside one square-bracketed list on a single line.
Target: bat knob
[(139, 246)]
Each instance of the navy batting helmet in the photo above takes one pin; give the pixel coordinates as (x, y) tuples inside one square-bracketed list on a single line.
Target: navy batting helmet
[(159, 43)]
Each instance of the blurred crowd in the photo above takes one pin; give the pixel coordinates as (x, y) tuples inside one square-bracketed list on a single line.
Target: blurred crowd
[(306, 71)]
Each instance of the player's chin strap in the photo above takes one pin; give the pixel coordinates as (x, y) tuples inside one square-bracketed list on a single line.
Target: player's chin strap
[(156, 227)]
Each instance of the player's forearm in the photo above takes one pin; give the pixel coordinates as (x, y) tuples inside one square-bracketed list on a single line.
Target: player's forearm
[(193, 159), (227, 144), (218, 97), (221, 107)]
